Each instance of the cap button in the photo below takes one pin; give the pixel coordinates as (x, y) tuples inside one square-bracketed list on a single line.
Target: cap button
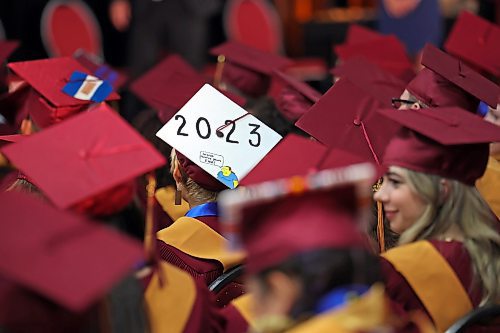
[(357, 121)]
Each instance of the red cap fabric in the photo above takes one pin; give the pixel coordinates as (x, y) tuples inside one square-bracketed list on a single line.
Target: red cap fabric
[(48, 104), (83, 163), (345, 118), (63, 257), (358, 34), (448, 142), (169, 85), (308, 156), (380, 84), (475, 40), (270, 217), (95, 65), (247, 68), (292, 97), (200, 176), (387, 52), (448, 82)]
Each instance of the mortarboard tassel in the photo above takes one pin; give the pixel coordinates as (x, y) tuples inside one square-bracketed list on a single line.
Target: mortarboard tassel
[(221, 60), (380, 219), (149, 229)]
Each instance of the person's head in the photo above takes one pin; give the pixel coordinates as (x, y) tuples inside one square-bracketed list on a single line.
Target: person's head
[(428, 191), (447, 82), (493, 116), (293, 287), (183, 170), (302, 245)]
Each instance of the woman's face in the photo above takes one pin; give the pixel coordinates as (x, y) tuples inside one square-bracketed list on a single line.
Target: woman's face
[(493, 116), (402, 206)]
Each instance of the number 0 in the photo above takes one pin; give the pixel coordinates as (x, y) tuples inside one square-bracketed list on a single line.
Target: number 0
[(206, 136)]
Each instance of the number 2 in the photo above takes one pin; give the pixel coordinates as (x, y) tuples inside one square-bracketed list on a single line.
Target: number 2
[(179, 130), (233, 127)]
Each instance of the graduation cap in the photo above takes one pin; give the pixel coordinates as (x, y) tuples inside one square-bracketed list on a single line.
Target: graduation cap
[(267, 218), (475, 40), (447, 141), (308, 157), (48, 103), (372, 79), (95, 65), (447, 82), (291, 96), (169, 85), (357, 34), (345, 118), (13, 105), (387, 52), (61, 256), (248, 69), (217, 139), (90, 153)]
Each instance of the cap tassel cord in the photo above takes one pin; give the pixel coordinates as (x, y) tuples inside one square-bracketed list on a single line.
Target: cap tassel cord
[(380, 227), (149, 232), (221, 60), (368, 140)]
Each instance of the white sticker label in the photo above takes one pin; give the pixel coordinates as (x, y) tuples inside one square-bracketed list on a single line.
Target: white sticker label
[(219, 136)]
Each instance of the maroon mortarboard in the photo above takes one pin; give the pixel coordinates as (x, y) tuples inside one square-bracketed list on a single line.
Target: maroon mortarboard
[(448, 82), (358, 34), (269, 218), (291, 96), (97, 67), (48, 104), (169, 85), (63, 257), (247, 68), (386, 52), (477, 41), (374, 80), (345, 118), (198, 175), (89, 153), (11, 138), (308, 157), (448, 142)]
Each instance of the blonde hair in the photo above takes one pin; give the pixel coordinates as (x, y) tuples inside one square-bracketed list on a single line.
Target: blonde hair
[(193, 189), (463, 207)]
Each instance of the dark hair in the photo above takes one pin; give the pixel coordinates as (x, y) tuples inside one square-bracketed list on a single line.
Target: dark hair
[(148, 124), (265, 110), (322, 270)]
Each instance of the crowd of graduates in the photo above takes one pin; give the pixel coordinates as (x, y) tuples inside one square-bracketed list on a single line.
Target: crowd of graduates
[(370, 208)]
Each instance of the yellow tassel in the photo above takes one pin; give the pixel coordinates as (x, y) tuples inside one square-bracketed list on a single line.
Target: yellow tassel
[(221, 60), (149, 232)]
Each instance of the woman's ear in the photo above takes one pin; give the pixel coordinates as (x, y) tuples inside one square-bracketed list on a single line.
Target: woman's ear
[(284, 291), (444, 190)]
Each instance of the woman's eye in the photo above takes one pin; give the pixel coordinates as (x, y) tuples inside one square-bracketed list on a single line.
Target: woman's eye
[(394, 182)]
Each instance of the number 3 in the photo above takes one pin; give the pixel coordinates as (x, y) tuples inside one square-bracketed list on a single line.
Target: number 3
[(254, 131)]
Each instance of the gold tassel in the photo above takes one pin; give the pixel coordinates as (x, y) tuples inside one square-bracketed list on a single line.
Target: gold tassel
[(380, 218), (149, 232), (221, 60)]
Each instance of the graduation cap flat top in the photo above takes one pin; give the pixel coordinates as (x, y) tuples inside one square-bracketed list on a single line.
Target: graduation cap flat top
[(89, 153), (61, 256), (345, 118), (49, 76), (308, 156), (447, 81), (476, 41)]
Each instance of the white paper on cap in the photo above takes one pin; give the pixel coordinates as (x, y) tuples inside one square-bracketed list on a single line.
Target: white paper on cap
[(192, 131)]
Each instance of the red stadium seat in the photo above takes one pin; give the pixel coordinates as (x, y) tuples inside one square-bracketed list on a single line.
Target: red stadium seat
[(256, 23), (67, 26)]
